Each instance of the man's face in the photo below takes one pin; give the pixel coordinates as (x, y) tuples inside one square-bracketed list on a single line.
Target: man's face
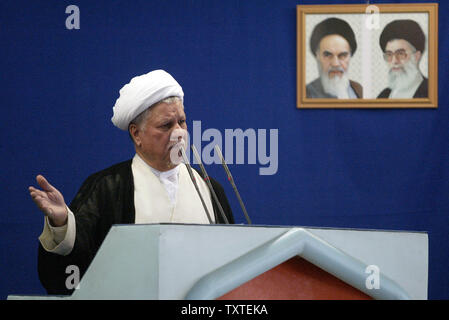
[(153, 141), (398, 53), (333, 55)]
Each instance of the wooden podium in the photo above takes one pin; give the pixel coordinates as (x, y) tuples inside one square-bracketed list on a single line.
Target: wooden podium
[(184, 261)]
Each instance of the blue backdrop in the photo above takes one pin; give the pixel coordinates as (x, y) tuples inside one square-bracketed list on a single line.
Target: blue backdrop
[(236, 61)]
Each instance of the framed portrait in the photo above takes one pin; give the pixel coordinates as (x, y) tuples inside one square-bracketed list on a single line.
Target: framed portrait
[(367, 56)]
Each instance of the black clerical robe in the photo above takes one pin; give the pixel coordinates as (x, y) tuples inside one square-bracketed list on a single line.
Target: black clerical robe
[(105, 198)]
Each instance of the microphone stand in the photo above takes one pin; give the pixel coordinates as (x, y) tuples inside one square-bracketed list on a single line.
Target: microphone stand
[(209, 184), (192, 177), (231, 180)]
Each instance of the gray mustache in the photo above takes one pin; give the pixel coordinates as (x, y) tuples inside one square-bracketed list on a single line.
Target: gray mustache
[(333, 69)]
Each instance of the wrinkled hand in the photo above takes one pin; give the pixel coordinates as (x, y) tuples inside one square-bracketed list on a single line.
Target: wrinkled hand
[(50, 201)]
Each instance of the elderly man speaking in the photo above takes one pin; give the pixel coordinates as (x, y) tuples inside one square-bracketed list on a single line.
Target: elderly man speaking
[(150, 188)]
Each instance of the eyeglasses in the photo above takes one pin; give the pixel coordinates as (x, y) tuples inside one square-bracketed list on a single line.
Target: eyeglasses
[(400, 54)]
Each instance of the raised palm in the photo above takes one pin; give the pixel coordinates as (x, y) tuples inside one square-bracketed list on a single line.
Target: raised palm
[(50, 201)]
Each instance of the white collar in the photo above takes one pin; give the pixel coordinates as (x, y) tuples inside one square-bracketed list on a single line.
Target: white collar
[(169, 179), (160, 174)]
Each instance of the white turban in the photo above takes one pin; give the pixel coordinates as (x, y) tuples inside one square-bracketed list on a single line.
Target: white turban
[(142, 92)]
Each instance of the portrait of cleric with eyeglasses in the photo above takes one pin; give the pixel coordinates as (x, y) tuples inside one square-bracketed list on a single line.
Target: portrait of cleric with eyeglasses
[(403, 43)]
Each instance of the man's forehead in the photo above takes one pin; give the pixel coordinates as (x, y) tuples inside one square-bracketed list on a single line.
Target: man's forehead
[(397, 44), (334, 43), (167, 110)]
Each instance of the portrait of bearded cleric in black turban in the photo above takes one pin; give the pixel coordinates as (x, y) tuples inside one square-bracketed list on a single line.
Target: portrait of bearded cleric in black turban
[(333, 43), (403, 43)]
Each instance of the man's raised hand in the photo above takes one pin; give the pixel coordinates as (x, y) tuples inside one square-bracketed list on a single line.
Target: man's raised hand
[(50, 201)]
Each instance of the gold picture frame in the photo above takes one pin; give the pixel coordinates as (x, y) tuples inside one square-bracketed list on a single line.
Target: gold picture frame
[(369, 63)]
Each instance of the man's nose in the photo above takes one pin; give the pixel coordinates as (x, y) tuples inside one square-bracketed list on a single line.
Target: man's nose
[(395, 60), (335, 62), (178, 133), (177, 126)]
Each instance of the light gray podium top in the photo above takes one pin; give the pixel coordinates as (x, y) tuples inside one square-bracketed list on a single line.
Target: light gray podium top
[(186, 261)]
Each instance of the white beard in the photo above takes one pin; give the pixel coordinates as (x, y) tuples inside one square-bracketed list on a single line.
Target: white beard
[(403, 79), (336, 86)]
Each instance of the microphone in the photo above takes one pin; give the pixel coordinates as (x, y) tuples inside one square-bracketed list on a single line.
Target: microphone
[(192, 177), (231, 180), (209, 184)]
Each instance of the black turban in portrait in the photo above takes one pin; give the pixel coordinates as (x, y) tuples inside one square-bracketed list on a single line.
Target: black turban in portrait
[(332, 26), (403, 29)]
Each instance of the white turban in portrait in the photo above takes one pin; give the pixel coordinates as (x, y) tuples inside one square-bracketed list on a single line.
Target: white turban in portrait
[(142, 92)]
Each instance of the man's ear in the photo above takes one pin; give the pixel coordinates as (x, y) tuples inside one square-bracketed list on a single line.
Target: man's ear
[(134, 134), (418, 55)]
